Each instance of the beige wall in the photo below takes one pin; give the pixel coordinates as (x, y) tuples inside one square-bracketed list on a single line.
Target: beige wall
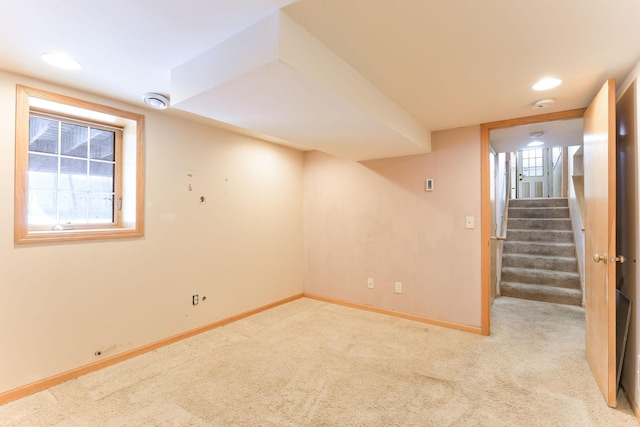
[(374, 219), (59, 303)]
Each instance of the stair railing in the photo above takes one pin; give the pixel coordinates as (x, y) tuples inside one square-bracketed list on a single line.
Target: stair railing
[(507, 197), (503, 232)]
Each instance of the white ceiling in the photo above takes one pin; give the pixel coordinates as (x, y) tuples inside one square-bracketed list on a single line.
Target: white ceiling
[(560, 133), (446, 63)]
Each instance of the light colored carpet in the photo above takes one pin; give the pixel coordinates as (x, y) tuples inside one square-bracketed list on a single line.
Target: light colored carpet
[(309, 363)]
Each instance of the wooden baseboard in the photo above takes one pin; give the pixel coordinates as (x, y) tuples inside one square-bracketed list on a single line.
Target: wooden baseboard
[(83, 370), (46, 383), (450, 325), (634, 407)]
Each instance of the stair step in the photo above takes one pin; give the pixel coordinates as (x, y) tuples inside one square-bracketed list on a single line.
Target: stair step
[(546, 212), (556, 236), (539, 203), (539, 248), (556, 263), (541, 293), (530, 276), (539, 223), (539, 256)]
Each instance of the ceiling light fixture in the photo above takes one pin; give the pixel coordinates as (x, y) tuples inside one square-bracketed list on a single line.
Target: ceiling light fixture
[(546, 83), (61, 61), (544, 103), (156, 101), (535, 144)]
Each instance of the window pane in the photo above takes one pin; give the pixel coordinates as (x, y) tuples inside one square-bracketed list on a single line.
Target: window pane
[(101, 179), (43, 172), (102, 144), (101, 208), (74, 140), (525, 171), (73, 207), (43, 135), (539, 162), (42, 207), (525, 163), (538, 171), (73, 174)]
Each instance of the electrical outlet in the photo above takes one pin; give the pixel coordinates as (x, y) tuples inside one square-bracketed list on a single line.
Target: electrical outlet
[(398, 287), (194, 299), (469, 223), (370, 283)]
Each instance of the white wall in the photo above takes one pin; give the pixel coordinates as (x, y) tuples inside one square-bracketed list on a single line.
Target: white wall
[(501, 191), (576, 222), (59, 303), (556, 187)]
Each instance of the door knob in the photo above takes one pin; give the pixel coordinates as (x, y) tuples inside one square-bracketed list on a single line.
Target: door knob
[(598, 258), (621, 259)]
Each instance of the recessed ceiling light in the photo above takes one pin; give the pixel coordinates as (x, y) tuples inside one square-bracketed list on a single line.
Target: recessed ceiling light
[(156, 100), (61, 61), (546, 83), (535, 144)]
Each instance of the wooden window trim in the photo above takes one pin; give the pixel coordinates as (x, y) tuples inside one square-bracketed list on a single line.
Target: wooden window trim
[(135, 190)]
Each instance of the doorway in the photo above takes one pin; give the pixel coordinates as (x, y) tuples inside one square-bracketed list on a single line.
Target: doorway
[(486, 204), (601, 159), (533, 173)]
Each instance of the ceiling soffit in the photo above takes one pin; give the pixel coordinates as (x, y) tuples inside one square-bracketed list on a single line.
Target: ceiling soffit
[(276, 79)]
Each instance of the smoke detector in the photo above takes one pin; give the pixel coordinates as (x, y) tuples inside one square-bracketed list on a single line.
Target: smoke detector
[(537, 134), (156, 101), (543, 103)]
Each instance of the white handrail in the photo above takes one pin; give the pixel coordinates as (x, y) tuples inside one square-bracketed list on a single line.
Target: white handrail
[(505, 216)]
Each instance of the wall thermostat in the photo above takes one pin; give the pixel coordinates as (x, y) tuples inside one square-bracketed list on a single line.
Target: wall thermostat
[(428, 185)]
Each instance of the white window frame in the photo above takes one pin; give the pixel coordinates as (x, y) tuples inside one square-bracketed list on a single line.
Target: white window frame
[(129, 218)]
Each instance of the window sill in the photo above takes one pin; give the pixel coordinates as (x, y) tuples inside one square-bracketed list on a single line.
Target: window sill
[(77, 235)]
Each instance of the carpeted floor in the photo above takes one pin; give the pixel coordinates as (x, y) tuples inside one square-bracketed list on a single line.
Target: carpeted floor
[(309, 363)]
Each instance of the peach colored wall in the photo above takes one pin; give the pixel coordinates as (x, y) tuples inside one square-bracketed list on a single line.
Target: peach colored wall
[(374, 219), (59, 303)]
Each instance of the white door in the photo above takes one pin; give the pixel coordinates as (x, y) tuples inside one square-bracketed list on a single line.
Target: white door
[(533, 171)]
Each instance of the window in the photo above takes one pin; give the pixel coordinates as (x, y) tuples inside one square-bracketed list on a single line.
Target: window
[(79, 169), (532, 162), (74, 178)]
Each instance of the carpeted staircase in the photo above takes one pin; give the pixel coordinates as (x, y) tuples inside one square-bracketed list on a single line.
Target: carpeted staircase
[(539, 255)]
